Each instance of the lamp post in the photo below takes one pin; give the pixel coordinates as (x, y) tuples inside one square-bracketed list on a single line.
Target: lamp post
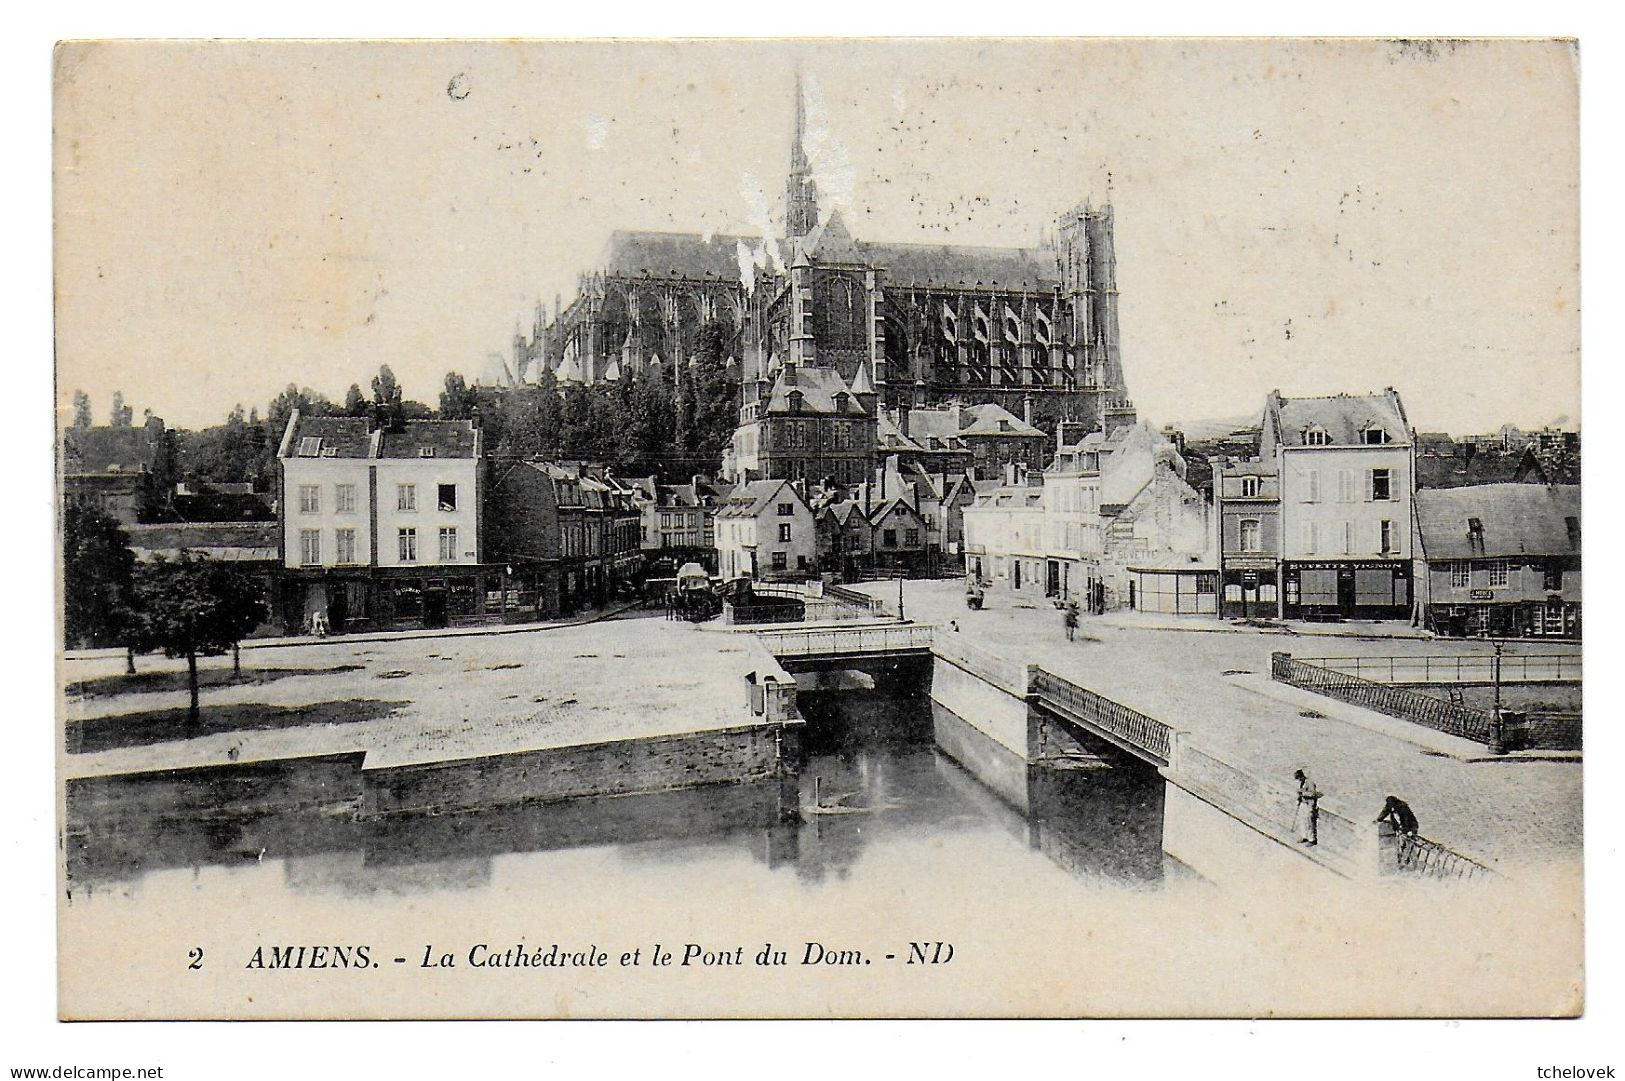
[(1497, 743), (900, 596)]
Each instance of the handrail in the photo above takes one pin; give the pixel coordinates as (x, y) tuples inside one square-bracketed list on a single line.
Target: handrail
[(1129, 725), (1395, 701), (1457, 668)]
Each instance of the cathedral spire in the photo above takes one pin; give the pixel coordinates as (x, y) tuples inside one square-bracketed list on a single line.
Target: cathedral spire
[(800, 194)]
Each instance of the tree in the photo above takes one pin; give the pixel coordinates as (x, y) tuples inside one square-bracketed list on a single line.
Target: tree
[(81, 409), (121, 414), (97, 568), (194, 607), (355, 402), (457, 401)]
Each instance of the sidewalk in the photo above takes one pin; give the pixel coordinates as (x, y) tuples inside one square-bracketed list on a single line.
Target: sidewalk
[(595, 616), (1130, 619)]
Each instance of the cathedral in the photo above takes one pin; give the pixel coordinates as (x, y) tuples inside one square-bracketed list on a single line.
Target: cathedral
[(899, 326)]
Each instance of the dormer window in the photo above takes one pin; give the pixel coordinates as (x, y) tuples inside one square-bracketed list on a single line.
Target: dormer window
[(1375, 436), (330, 452), (310, 446), (1249, 487), (425, 452), (1316, 437)]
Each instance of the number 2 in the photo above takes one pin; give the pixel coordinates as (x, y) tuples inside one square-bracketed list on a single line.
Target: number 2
[(196, 954)]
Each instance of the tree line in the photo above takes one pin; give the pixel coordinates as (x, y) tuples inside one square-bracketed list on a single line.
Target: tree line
[(644, 423)]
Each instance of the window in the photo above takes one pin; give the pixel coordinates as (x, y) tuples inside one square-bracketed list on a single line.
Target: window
[(1316, 437), (784, 533), (1250, 541), (310, 547), (888, 538), (310, 446), (406, 497), (1345, 485), (344, 498), (781, 561), (1375, 436), (344, 545), (448, 497), (1381, 485), (1553, 581), (448, 544), (1461, 574), (1385, 536), (310, 498), (1311, 486), (407, 545), (1249, 487), (911, 537), (1497, 569), (786, 509)]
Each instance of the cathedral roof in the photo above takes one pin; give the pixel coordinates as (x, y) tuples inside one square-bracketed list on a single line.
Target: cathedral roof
[(682, 255), (953, 265), (832, 242)]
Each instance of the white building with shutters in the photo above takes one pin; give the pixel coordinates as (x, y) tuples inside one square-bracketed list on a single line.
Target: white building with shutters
[(1347, 480)]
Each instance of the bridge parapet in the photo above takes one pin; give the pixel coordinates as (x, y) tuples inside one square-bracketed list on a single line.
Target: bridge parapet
[(848, 641), (1007, 675)]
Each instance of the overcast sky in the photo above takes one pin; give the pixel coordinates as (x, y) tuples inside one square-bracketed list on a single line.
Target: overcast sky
[(1312, 217)]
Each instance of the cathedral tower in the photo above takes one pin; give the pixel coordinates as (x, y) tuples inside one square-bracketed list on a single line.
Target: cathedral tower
[(800, 194)]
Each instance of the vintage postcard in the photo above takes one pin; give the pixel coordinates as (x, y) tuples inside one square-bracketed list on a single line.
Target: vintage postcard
[(829, 528)]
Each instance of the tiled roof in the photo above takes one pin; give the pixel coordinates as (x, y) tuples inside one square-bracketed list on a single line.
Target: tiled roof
[(992, 419), (446, 438), (1343, 417), (751, 498), (1516, 519), (348, 436), (117, 450), (818, 388)]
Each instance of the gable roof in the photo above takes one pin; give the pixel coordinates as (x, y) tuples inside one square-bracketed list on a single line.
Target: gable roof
[(879, 515), (1517, 519), (348, 437), (750, 499), (994, 419)]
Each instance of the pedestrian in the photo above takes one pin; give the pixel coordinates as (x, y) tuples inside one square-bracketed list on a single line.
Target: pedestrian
[(953, 625), (1306, 819), (1070, 618), (1397, 813)]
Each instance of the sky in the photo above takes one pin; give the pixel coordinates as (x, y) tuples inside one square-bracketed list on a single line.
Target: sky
[(1313, 217)]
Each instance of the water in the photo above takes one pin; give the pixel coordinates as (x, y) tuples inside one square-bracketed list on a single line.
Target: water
[(876, 794)]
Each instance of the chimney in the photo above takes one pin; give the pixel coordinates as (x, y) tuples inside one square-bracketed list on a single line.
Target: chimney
[(373, 420), (1009, 474), (474, 419), (1027, 410), (903, 412)]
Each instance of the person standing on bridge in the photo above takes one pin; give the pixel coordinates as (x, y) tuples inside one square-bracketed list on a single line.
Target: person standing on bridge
[(1307, 817)]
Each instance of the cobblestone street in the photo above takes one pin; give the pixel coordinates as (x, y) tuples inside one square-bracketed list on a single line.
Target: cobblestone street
[(1505, 811)]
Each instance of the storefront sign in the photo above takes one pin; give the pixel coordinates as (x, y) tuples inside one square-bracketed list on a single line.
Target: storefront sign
[(1249, 562), (1481, 595)]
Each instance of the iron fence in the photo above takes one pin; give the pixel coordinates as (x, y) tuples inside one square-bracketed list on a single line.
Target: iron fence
[(1461, 668), (1128, 725), (1430, 859), (1451, 718)]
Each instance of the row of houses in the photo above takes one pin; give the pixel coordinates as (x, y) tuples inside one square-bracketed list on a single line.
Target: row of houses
[(1324, 521)]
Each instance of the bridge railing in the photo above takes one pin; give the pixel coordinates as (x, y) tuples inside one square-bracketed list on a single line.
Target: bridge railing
[(844, 640), (856, 598), (1423, 858), (1459, 668), (1005, 674), (1469, 722), (1129, 725)]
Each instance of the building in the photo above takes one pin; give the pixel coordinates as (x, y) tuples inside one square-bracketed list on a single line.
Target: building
[(380, 525), (765, 530), (1247, 504), (1004, 528), (922, 324), (1347, 476), (1501, 560), (677, 522), (845, 539), (898, 536), (568, 538), (957, 439), (807, 425), (124, 472), (1119, 518)]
